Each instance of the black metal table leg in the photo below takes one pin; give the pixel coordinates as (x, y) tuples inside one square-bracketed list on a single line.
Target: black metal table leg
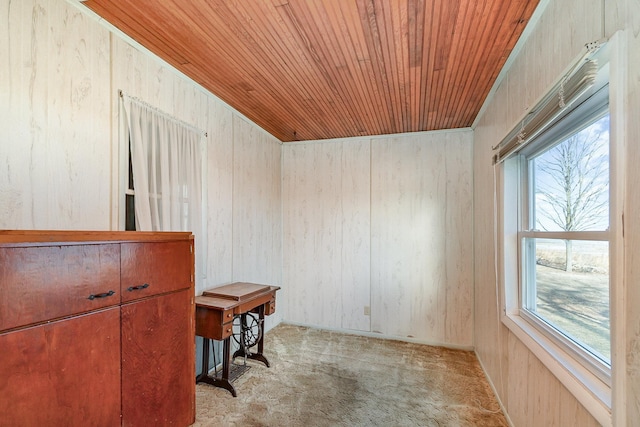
[(222, 382), (205, 360)]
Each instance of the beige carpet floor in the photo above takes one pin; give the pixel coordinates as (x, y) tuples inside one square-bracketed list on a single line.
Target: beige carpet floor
[(323, 378)]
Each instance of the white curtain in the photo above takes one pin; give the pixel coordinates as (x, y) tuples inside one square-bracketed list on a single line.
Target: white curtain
[(166, 157)]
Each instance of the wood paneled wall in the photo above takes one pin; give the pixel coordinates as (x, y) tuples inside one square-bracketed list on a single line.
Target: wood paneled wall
[(382, 223), (326, 203), (530, 393), (257, 208), (421, 235), (54, 115)]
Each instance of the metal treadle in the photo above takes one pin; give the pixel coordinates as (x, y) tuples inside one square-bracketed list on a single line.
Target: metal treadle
[(236, 371)]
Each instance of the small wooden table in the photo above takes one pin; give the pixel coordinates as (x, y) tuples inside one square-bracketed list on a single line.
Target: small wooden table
[(215, 311)]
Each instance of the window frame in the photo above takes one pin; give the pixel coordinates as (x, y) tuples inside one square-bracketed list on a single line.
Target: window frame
[(597, 396), (589, 388), (578, 118)]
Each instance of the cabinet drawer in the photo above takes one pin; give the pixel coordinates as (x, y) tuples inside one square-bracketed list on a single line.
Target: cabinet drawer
[(214, 324), (153, 268), (48, 282), (270, 307)]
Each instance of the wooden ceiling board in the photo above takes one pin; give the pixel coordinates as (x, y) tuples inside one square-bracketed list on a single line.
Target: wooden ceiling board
[(318, 69)]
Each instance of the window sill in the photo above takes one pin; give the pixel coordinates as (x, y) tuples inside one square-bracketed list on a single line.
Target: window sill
[(588, 389)]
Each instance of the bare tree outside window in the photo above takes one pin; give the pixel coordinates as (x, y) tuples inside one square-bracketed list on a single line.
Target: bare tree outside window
[(572, 184)]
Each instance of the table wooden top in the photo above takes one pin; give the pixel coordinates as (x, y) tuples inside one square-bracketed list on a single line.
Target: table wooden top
[(216, 303), (238, 291), (229, 296)]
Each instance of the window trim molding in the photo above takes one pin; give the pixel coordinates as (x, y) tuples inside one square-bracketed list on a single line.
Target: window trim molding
[(618, 60)]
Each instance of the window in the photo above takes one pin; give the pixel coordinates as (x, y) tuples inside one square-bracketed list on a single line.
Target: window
[(130, 205), (563, 234), (130, 202), (559, 221), (163, 177)]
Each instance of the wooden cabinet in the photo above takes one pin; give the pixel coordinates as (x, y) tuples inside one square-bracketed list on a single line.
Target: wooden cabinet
[(96, 328)]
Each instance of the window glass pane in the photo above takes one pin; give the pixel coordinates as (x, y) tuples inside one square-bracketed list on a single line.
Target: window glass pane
[(130, 185), (572, 297), (130, 213), (570, 182)]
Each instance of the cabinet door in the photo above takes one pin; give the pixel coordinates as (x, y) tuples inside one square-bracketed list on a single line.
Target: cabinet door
[(152, 268), (158, 350), (64, 373)]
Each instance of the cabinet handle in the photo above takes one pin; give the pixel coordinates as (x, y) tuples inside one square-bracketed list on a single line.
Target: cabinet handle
[(137, 288), (103, 295)]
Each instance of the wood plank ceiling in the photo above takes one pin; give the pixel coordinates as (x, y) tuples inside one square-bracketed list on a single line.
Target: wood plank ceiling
[(317, 69)]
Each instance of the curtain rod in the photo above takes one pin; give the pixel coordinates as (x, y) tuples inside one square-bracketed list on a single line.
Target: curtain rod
[(169, 116)]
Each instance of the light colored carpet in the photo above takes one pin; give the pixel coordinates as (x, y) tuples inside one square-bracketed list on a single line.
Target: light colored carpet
[(323, 378)]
